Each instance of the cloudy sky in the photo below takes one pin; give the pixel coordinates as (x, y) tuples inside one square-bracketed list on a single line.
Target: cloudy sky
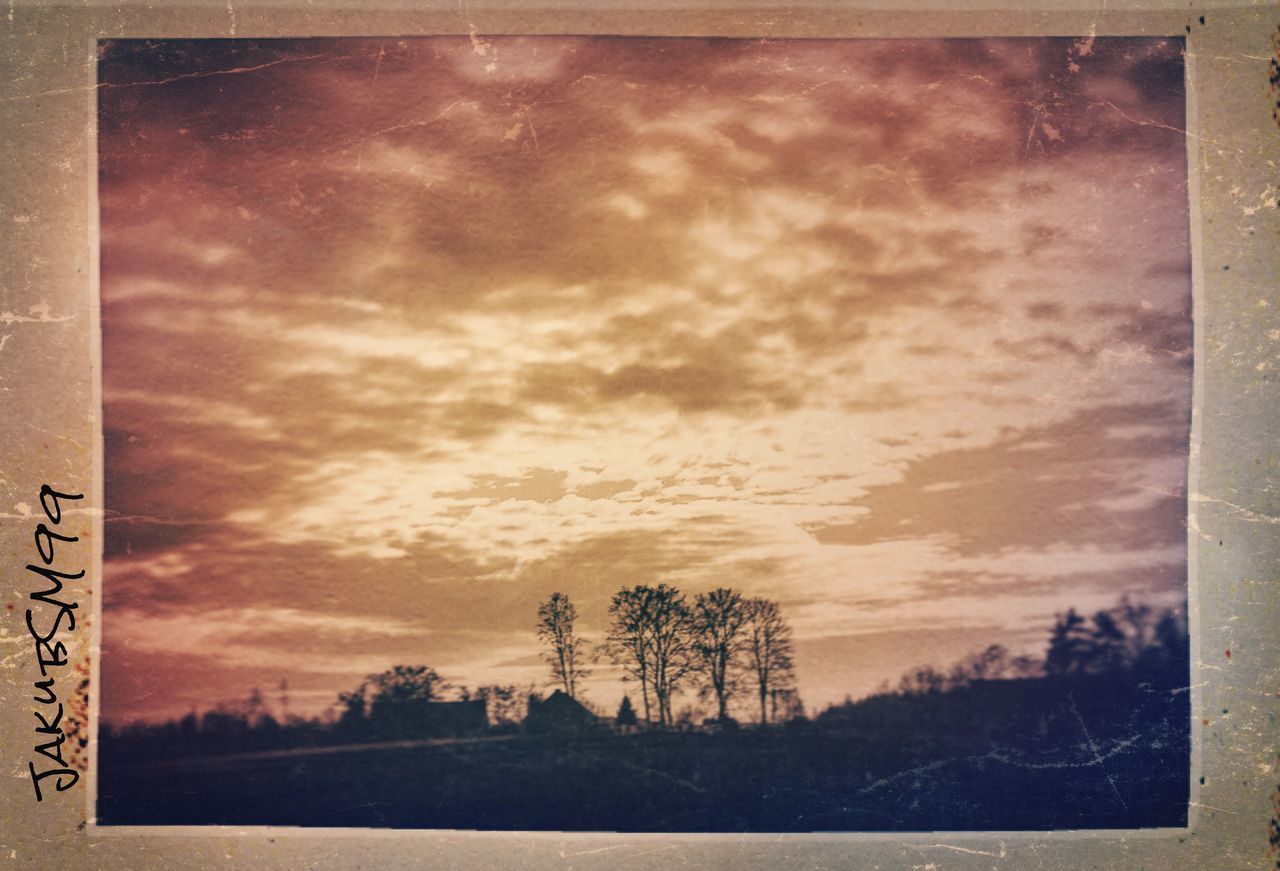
[(403, 335)]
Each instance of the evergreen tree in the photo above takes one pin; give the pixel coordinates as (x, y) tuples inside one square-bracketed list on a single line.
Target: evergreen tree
[(1109, 644), (1070, 645), (626, 714)]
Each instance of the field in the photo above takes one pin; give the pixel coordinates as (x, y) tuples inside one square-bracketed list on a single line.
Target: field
[(1009, 755)]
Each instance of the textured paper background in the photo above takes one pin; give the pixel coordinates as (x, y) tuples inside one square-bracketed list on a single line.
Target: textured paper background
[(49, 427)]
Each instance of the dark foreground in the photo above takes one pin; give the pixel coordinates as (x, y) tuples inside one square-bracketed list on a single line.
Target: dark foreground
[(1008, 755)]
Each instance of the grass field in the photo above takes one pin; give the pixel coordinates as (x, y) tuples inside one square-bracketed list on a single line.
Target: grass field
[(969, 761)]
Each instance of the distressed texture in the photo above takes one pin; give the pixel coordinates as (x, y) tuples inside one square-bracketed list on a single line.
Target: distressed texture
[(47, 104)]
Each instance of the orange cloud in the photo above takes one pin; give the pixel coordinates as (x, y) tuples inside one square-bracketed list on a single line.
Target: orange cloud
[(395, 327)]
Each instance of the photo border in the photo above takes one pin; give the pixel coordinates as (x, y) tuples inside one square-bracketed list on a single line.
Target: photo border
[(51, 431)]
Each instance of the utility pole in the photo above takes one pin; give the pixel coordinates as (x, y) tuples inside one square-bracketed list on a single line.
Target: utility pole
[(284, 701)]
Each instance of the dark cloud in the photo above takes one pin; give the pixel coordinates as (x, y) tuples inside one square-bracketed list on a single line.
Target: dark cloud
[(435, 582), (1044, 347), (538, 485), (604, 489), (1038, 488), (1045, 311), (695, 388), (1162, 332), (234, 142)]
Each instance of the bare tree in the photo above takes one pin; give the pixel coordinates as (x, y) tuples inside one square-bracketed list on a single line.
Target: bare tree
[(719, 639), (785, 705), (923, 680), (627, 643), (1024, 665), (566, 651), (769, 649), (993, 663), (670, 647), (649, 637)]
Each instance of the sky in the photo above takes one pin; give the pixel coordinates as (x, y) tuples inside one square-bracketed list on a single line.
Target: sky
[(400, 336)]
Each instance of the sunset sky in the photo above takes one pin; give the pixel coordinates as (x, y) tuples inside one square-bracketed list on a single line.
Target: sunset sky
[(400, 336)]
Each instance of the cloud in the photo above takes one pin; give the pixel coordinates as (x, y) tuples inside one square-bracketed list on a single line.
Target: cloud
[(425, 329), (1046, 487)]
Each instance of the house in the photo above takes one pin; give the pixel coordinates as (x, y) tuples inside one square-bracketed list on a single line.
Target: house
[(419, 718), (559, 713)]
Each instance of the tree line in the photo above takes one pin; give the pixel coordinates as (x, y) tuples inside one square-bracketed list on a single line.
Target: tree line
[(1129, 636), (720, 642)]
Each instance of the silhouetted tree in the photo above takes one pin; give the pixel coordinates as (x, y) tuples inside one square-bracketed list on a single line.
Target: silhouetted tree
[(1113, 639), (504, 705), (1070, 645), (718, 625), (566, 651), (649, 638), (992, 663), (768, 649), (1136, 617), (686, 719), (626, 715), (1026, 666), (785, 705), (404, 684), (627, 643), (1171, 635), (670, 648), (224, 725), (923, 680), (353, 707), (1109, 646), (398, 697), (1167, 659)]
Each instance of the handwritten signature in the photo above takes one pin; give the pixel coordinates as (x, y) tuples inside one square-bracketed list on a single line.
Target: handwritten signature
[(50, 653)]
